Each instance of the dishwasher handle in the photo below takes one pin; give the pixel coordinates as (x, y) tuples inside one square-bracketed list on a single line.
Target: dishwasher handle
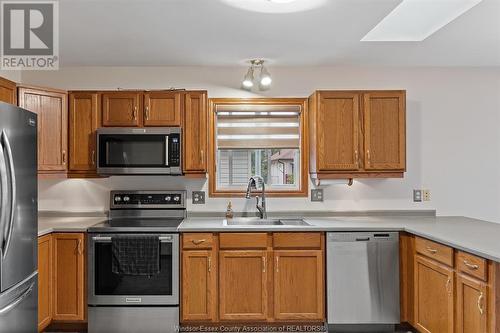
[(362, 239)]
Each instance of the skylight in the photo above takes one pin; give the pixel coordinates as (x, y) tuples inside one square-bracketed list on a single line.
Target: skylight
[(415, 20)]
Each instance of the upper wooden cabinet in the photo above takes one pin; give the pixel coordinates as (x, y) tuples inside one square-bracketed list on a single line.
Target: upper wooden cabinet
[(121, 109), (84, 119), (162, 109), (8, 91), (357, 134), (52, 110), (44, 281), (69, 277), (195, 132), (384, 130)]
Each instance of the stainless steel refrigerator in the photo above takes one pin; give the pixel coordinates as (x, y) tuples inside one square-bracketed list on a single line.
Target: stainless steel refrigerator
[(18, 220)]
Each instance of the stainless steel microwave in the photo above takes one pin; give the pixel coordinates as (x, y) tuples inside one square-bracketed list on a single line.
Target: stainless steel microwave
[(139, 151)]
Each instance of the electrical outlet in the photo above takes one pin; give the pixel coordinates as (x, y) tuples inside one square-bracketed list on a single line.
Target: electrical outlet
[(426, 194), (317, 195), (198, 197), (417, 195)]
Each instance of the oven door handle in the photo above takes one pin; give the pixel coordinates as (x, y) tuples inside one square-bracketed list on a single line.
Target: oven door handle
[(167, 158), (101, 239)]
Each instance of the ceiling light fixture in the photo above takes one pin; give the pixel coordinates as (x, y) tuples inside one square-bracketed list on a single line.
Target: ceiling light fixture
[(264, 78)]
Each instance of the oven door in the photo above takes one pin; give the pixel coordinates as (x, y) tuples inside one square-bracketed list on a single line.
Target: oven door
[(107, 288), (139, 151)]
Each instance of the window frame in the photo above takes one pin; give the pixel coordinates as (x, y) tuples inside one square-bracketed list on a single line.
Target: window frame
[(303, 189)]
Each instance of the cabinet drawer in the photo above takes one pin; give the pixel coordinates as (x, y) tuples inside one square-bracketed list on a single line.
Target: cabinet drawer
[(197, 241), (297, 240), (243, 240), (436, 251), (472, 265)]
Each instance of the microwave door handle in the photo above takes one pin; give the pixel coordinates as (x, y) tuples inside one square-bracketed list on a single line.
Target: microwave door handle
[(8, 237), (166, 150)]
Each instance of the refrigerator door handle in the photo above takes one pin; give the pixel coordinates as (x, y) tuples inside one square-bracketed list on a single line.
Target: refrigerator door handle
[(8, 235), (3, 193), (18, 300)]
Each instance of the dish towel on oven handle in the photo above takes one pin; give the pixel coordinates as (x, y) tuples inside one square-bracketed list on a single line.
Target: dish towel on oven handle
[(135, 255)]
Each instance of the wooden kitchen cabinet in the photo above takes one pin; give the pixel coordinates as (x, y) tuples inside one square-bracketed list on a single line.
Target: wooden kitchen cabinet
[(243, 285), (8, 91), (162, 108), (45, 276), (122, 109), (472, 305), (298, 285), (84, 120), (195, 132), (384, 130), (51, 107), (434, 296), (199, 278), (356, 134), (69, 277)]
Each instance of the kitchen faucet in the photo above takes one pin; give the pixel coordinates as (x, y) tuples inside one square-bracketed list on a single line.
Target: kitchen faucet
[(252, 183)]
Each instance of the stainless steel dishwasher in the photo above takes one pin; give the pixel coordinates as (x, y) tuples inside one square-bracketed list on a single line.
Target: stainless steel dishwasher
[(363, 281)]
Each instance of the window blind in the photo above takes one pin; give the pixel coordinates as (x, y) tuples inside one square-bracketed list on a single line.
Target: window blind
[(263, 127)]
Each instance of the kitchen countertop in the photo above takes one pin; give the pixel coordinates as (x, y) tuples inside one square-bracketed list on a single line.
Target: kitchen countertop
[(48, 224), (467, 234)]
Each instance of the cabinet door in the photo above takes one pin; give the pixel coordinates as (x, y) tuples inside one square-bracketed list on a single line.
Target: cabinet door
[(8, 91), (83, 122), (162, 109), (433, 296), (44, 281), (298, 285), (121, 109), (243, 285), (384, 128), (198, 285), (472, 305), (338, 131), (195, 132), (52, 110), (69, 277)]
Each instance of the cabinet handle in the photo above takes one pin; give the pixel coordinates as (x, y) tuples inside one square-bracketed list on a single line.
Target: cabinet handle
[(264, 264), (209, 264), (368, 156), (480, 303), (134, 113), (198, 241), (448, 282), (64, 157), (202, 156), (356, 156), (79, 247), (431, 250), (277, 264), (92, 157), (146, 113), (470, 266)]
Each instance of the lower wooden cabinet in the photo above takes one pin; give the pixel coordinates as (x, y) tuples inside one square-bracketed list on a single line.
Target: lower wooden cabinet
[(69, 277), (298, 285), (199, 277), (472, 305), (434, 291), (44, 281), (243, 285)]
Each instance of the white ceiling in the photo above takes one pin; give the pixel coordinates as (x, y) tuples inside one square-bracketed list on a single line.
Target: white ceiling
[(210, 32)]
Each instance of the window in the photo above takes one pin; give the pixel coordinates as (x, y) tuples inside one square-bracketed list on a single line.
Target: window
[(262, 137)]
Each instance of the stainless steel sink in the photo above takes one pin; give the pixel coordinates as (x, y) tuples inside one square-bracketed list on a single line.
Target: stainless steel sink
[(251, 221)]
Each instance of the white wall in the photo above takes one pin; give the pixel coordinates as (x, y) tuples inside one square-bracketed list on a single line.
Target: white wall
[(453, 136)]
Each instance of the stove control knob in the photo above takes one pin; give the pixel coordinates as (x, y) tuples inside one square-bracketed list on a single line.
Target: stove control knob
[(168, 198), (118, 198), (126, 199), (176, 198)]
